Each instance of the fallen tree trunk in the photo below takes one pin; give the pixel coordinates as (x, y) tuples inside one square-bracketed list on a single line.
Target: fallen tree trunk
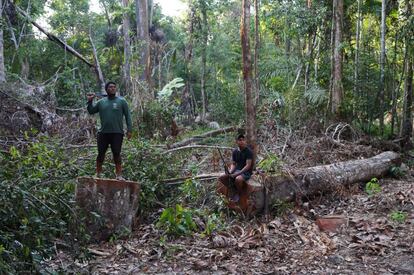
[(311, 181), (202, 136)]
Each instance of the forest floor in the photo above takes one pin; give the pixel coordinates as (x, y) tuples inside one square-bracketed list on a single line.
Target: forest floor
[(376, 239)]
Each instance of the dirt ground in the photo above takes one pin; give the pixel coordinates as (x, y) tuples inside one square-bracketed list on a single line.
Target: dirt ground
[(373, 240)]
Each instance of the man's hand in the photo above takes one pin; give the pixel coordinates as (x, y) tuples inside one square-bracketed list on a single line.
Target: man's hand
[(234, 175), (90, 97), (129, 135)]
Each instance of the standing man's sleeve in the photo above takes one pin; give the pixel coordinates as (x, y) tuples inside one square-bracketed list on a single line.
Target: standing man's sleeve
[(127, 115), (92, 108)]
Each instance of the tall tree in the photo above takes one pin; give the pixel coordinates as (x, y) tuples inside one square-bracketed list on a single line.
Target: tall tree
[(2, 68), (143, 39), (407, 125), (256, 52), (247, 74), (357, 41), (126, 71), (204, 34), (382, 66), (336, 85)]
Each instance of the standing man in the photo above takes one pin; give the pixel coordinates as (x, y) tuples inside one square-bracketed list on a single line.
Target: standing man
[(112, 110), (241, 168)]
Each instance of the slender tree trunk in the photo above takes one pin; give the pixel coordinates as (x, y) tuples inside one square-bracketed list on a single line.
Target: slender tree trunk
[(407, 124), (2, 68), (97, 67), (394, 87), (126, 72), (357, 40), (382, 65), (247, 74), (143, 40), (337, 89), (203, 60), (256, 52)]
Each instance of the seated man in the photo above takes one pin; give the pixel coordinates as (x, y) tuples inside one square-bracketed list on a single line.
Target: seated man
[(240, 170)]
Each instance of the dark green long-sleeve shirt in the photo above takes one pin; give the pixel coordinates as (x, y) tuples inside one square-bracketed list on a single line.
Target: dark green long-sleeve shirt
[(111, 113)]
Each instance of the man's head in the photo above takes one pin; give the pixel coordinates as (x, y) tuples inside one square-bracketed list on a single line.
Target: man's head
[(110, 88), (241, 141)]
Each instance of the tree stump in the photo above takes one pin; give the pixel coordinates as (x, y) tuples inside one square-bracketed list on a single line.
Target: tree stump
[(109, 205)]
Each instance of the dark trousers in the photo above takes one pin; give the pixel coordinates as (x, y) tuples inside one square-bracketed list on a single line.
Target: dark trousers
[(113, 139)]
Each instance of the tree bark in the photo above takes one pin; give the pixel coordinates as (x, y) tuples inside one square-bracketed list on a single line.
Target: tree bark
[(2, 68), (203, 59), (337, 88), (98, 71), (247, 75), (311, 181), (406, 123), (126, 72), (116, 203), (357, 40), (382, 66), (143, 39), (256, 52)]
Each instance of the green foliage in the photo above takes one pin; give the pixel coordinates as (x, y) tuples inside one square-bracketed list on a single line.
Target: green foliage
[(177, 221), (165, 94), (281, 207), (398, 216), (270, 163), (36, 189), (372, 187), (396, 172), (157, 120)]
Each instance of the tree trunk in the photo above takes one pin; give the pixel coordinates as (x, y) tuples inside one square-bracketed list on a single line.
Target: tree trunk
[(311, 181), (203, 60), (247, 75), (126, 72), (256, 52), (97, 67), (337, 89), (143, 39), (382, 67), (357, 40), (2, 68), (115, 202), (407, 125), (406, 122)]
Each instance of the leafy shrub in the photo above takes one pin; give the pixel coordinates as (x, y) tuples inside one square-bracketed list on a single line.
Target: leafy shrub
[(36, 190), (270, 163), (372, 187), (398, 216), (177, 221)]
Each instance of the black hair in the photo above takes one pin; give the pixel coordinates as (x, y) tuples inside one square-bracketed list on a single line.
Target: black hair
[(109, 83), (240, 136)]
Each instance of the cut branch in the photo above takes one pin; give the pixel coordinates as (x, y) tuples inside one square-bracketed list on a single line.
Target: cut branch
[(198, 147), (54, 38), (202, 136)]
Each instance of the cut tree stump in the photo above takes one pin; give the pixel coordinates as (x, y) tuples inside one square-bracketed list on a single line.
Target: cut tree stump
[(309, 181), (110, 205)]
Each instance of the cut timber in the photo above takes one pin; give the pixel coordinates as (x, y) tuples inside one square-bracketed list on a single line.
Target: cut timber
[(310, 181), (109, 205), (202, 136)]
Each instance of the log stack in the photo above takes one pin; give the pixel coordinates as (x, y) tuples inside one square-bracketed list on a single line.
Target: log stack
[(109, 205), (309, 181)]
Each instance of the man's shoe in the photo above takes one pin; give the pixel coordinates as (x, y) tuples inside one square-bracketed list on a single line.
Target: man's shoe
[(235, 198)]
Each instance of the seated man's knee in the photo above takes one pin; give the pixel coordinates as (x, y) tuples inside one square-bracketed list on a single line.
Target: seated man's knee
[(223, 177)]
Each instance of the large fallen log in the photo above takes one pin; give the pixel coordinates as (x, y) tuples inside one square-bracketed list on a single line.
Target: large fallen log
[(109, 205), (202, 136), (310, 181)]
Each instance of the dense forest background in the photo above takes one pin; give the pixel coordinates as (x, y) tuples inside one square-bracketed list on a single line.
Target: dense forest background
[(259, 65)]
